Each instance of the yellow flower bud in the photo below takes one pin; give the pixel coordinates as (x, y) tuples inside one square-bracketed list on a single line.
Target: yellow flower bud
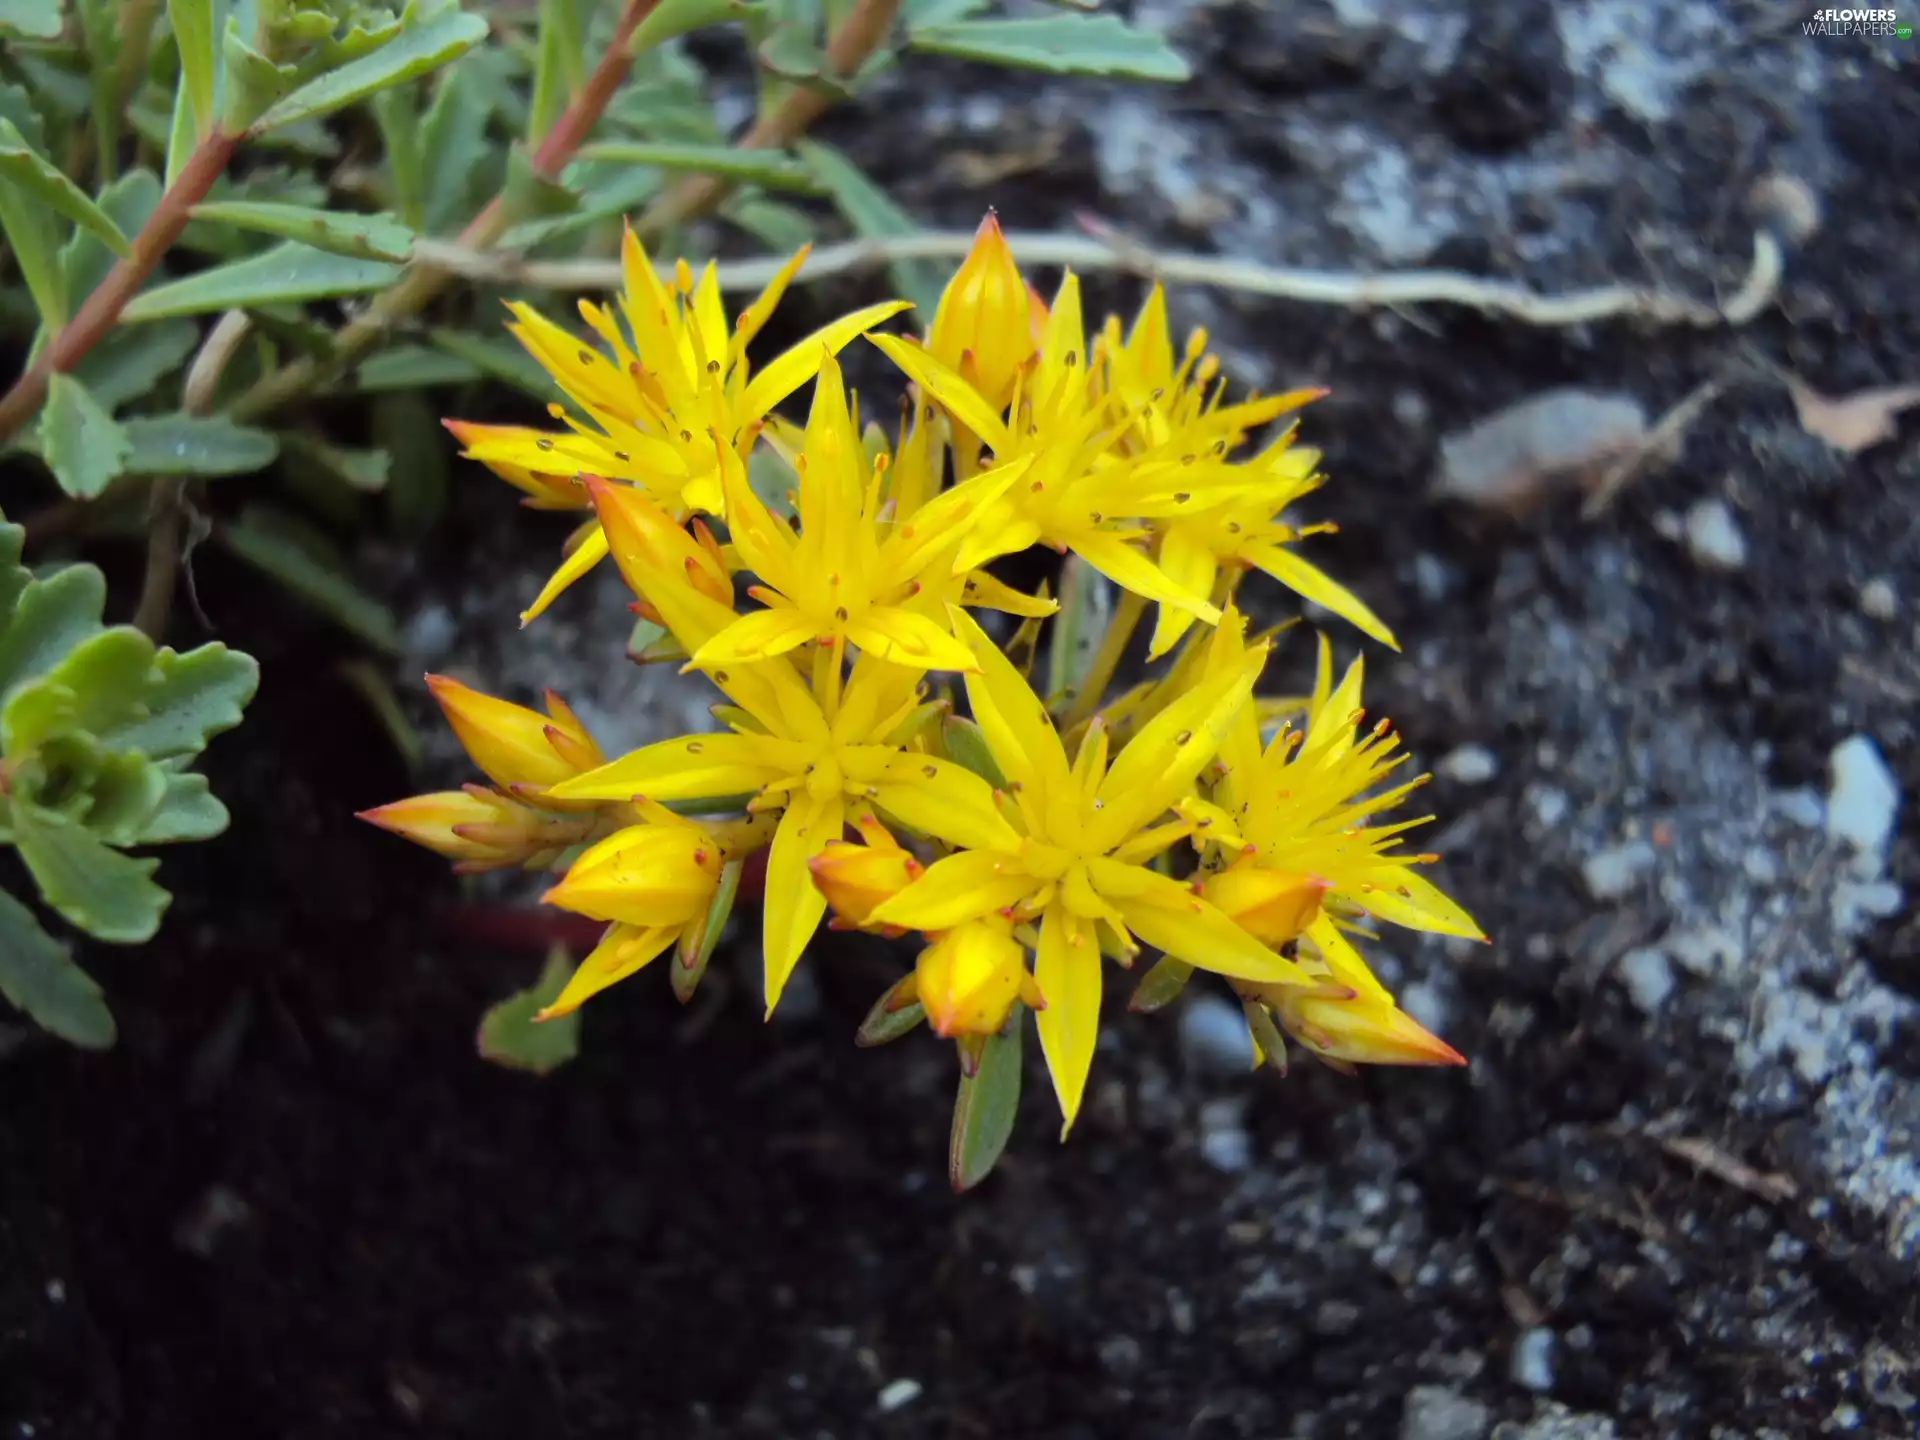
[(856, 878), (1273, 906), (480, 828), (518, 749), (984, 324), (969, 978), (1337, 1024), (648, 875)]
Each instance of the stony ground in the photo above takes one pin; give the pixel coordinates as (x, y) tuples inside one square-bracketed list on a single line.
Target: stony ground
[(1676, 1193)]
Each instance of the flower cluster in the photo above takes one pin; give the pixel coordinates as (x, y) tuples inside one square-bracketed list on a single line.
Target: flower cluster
[(1032, 840)]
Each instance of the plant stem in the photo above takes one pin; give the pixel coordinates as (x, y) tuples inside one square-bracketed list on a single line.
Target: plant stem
[(98, 316), (849, 47), (1113, 646), (424, 280)]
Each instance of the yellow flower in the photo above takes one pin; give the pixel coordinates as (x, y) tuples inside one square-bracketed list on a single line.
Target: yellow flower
[(983, 327), (1273, 906), (1071, 847), (851, 572), (968, 979), (856, 878), (520, 750), (1346, 1016), (480, 828), (1246, 531), (655, 393)]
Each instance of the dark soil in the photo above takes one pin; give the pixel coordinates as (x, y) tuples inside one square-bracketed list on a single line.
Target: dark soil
[(294, 1203)]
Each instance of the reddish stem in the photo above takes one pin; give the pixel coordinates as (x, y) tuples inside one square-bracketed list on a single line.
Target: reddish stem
[(102, 308)]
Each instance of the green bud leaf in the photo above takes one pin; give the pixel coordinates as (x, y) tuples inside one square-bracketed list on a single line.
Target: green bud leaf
[(109, 895), (81, 443), (510, 1036), (253, 81), (98, 683), (1160, 986), (187, 811), (39, 976), (967, 745), (190, 698), (365, 237), (773, 169), (419, 47), (890, 1017), (984, 1110), (287, 273), (1079, 625), (197, 445), (1058, 45), (697, 942)]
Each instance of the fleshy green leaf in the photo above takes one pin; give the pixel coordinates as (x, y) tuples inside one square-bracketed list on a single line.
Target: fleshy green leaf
[(874, 217), (109, 895), (510, 1036), (81, 443), (35, 242), (17, 106), (289, 272), (1078, 627), (600, 200), (50, 618), (14, 577), (967, 746), (99, 683), (454, 147), (532, 195), (498, 360), (133, 360), (774, 169), (890, 1018), (33, 173), (423, 46), (671, 19), (196, 33), (697, 942), (129, 201), (194, 697), (39, 976), (1058, 45), (561, 66), (365, 237), (398, 116), (197, 445), (412, 367), (313, 571), (363, 471), (122, 793), (984, 1111), (31, 19), (774, 224), (188, 811), (1160, 986)]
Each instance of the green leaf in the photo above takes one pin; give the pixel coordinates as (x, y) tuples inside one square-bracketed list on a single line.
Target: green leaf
[(365, 472), (109, 895), (891, 1017), (16, 105), (192, 698), (776, 225), (874, 216), (917, 13), (35, 242), (600, 200), (97, 684), (129, 201), (412, 367), (122, 793), (50, 617), (423, 46), (14, 577), (182, 135), (774, 169), (406, 428), (671, 19), (561, 67), (197, 445), (79, 440), (531, 195), (1058, 45), (313, 571), (510, 1036), (454, 147), (967, 746), (984, 1111), (23, 166), (365, 237), (697, 942), (1074, 638), (39, 976), (196, 34), (133, 360), (398, 117), (289, 272), (31, 19), (498, 359), (1160, 986), (188, 811)]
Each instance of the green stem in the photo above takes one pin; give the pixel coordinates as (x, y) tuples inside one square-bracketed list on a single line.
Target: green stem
[(1113, 646)]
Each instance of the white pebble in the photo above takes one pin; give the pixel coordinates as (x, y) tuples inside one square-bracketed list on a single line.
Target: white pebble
[(1878, 599), (1213, 1036), (1613, 872), (1469, 765), (1224, 1141), (1865, 798), (1532, 1364), (1713, 537), (898, 1394), (1648, 976)]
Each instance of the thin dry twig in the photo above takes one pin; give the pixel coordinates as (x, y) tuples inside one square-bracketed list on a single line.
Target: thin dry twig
[(1709, 1159)]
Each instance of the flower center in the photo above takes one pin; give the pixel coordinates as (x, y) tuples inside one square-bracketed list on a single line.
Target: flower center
[(1044, 861)]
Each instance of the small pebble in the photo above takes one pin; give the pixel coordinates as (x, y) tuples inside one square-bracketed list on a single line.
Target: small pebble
[(1614, 871), (1713, 536), (1648, 976), (1224, 1141), (1434, 1412), (1864, 799), (898, 1394), (1878, 599), (1532, 1363), (1469, 765), (1550, 806), (1213, 1036)]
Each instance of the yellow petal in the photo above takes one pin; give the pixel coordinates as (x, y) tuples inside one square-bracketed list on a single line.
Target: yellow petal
[(962, 887), (983, 592), (587, 554), (791, 369), (1130, 569), (694, 767), (794, 904), (624, 950), (754, 318), (1411, 900), (1067, 966), (1168, 915), (1346, 964), (909, 639), (1188, 563), (1310, 582), (508, 742), (946, 386), (935, 797), (1012, 718), (760, 635), (765, 542)]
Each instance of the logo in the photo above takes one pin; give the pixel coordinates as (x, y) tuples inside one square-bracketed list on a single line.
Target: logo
[(1858, 24)]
